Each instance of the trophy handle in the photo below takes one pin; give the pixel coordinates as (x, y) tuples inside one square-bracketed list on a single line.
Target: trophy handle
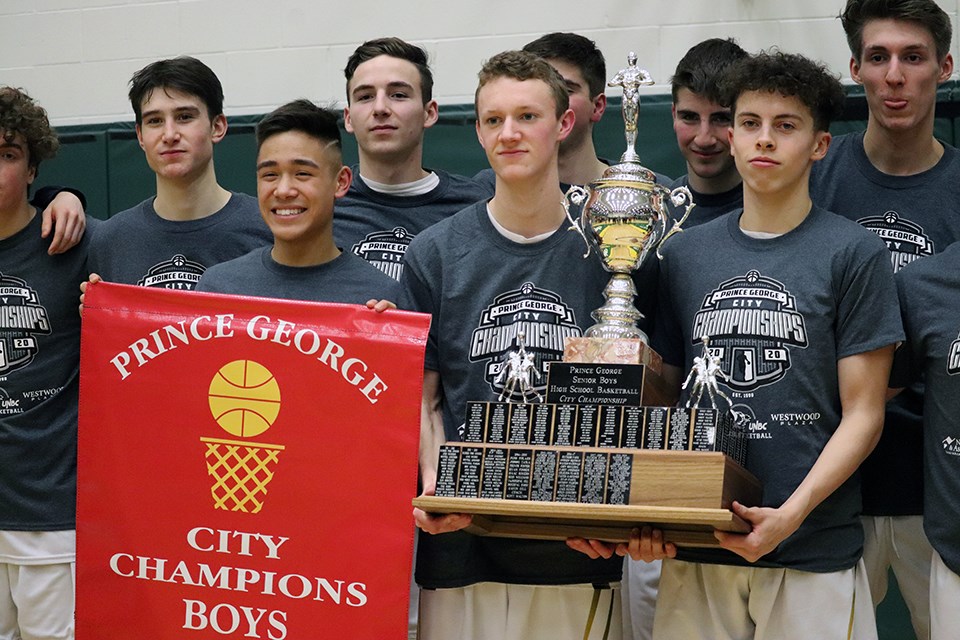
[(678, 196), (576, 195)]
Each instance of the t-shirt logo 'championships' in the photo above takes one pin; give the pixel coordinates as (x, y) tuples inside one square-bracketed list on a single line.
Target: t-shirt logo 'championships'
[(544, 320), (385, 249), (22, 318), (905, 239), (175, 273), (953, 358), (751, 321)]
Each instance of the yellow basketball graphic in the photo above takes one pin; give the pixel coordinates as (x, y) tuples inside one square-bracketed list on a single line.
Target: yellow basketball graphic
[(244, 398)]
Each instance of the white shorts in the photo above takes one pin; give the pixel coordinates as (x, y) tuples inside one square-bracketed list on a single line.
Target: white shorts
[(899, 543), (944, 597), (709, 601), (639, 595), (36, 601), (497, 611)]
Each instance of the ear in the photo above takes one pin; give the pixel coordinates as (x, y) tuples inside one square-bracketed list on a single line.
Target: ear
[(31, 175), (946, 68), (479, 137), (823, 144), (566, 124), (431, 114), (855, 70), (219, 128), (347, 124), (599, 107), (344, 178), (730, 139), (140, 137)]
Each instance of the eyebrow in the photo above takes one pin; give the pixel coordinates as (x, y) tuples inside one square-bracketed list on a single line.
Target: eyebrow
[(5, 144), (396, 84), (916, 46), (184, 109), (779, 116), (721, 112), (300, 162)]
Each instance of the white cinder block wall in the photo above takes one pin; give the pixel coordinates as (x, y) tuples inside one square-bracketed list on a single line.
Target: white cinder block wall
[(76, 56)]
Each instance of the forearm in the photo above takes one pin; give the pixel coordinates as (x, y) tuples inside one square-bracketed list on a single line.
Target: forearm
[(862, 395), (431, 428)]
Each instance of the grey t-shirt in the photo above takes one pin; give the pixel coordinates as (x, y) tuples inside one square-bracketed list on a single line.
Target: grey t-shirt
[(929, 298), (378, 227), (710, 206), (39, 375), (781, 313), (139, 247), (346, 279), (482, 290), (916, 216)]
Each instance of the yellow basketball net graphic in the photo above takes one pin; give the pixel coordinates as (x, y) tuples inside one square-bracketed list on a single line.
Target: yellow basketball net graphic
[(245, 401)]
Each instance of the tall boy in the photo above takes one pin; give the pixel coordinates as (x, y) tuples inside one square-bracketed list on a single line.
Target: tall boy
[(514, 252), (300, 174), (806, 347), (393, 197), (899, 181), (39, 363), (928, 290), (192, 223)]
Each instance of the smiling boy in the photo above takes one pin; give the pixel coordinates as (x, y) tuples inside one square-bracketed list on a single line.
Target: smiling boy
[(300, 174), (513, 252), (702, 124), (899, 181), (170, 239), (805, 345)]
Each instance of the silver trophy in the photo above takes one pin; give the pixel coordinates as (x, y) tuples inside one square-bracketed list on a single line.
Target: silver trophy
[(517, 371), (704, 373), (624, 216)]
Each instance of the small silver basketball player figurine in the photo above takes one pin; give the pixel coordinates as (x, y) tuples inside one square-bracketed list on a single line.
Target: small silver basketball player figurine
[(518, 370), (705, 371), (630, 80)]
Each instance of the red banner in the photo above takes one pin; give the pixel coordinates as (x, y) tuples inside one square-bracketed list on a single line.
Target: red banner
[(245, 467)]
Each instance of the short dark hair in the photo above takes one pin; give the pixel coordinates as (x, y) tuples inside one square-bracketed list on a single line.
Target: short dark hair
[(19, 113), (522, 65), (183, 73), (925, 13), (395, 48), (304, 116), (577, 50), (701, 69), (789, 75)]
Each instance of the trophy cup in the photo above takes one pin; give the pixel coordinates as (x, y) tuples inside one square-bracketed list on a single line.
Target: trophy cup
[(624, 217)]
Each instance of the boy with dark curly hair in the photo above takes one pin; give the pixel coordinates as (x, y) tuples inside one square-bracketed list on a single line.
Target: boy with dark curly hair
[(39, 365), (799, 305)]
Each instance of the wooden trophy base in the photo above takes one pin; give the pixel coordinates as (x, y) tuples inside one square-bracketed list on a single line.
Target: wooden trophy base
[(687, 494), (683, 526)]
